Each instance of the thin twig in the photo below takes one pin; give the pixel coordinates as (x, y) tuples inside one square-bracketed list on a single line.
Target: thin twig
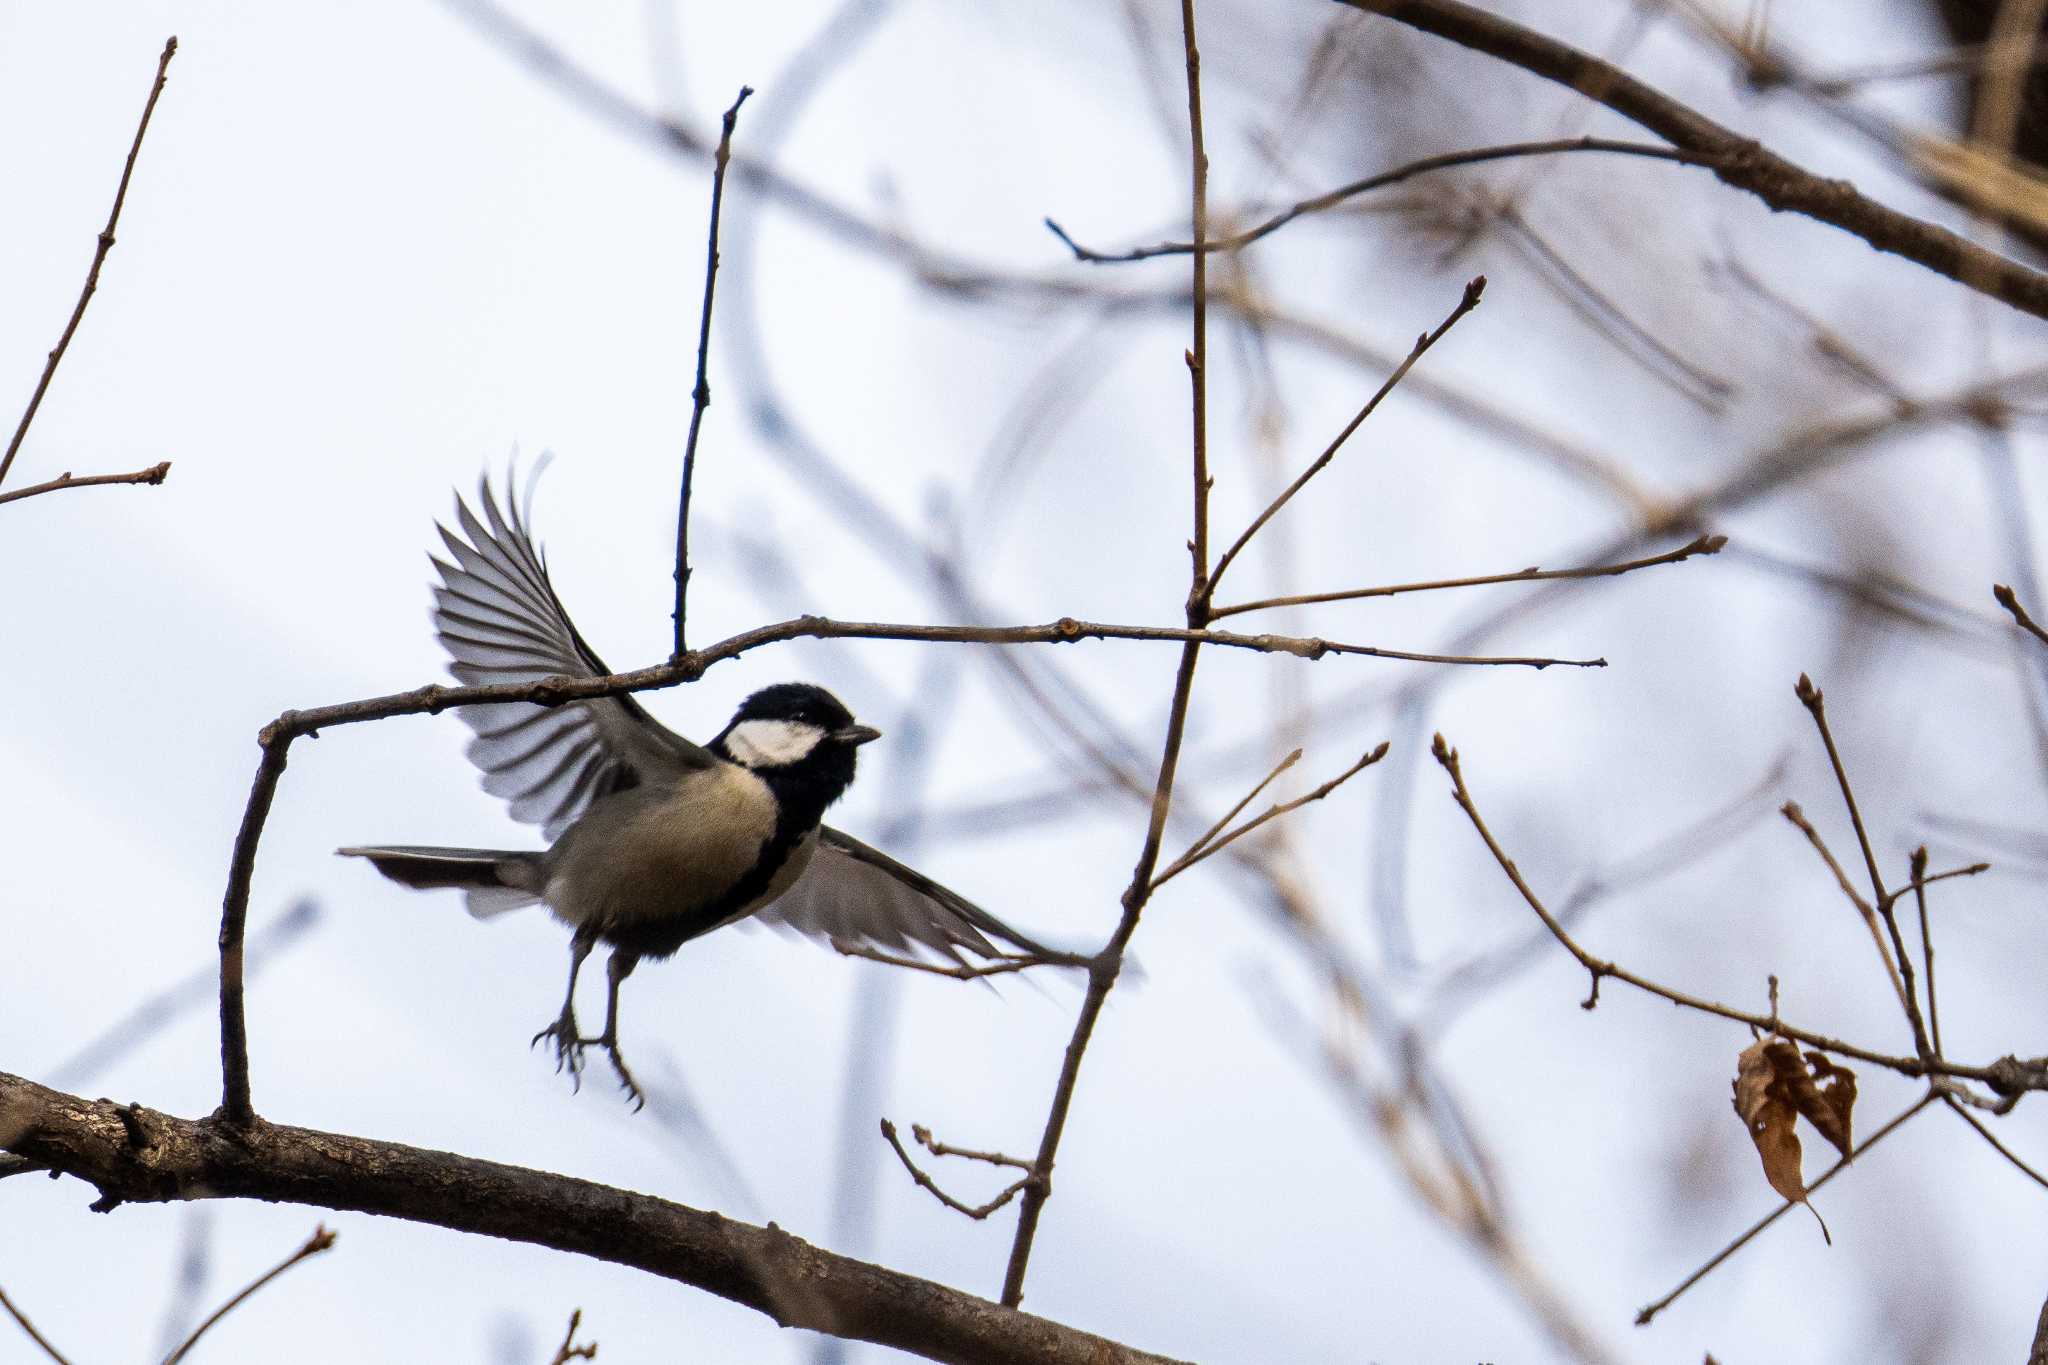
[(1273, 812), (21, 1320), (1898, 969), (2001, 1076), (1962, 57), (1917, 867), (1108, 964), (700, 395), (974, 1211), (569, 1350), (99, 258), (1198, 346), (152, 475), (1423, 166), (1984, 1131), (1816, 704), (2008, 599), (314, 1245), (1466, 303), (1215, 829), (1643, 1317), (1793, 813), (1702, 545), (959, 971), (936, 1148)]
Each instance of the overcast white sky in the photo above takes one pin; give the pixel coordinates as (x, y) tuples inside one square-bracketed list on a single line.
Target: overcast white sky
[(366, 254)]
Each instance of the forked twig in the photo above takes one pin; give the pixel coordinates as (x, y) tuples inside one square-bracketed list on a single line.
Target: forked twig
[(1466, 303), (925, 1182), (1201, 850), (569, 1350), (1217, 828), (99, 258), (1792, 812)]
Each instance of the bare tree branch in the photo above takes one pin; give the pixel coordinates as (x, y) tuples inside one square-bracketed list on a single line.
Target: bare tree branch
[(99, 258), (1470, 300), (155, 474), (1738, 161), (135, 1155), (1701, 545)]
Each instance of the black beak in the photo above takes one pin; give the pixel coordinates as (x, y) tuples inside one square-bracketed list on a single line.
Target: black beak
[(856, 734)]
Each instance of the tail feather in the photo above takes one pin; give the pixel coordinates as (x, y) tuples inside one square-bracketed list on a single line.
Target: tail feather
[(496, 880)]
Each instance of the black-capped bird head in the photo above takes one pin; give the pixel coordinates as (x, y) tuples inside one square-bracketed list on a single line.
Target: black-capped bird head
[(796, 735)]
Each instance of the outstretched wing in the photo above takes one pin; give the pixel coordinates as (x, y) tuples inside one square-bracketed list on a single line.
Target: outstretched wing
[(499, 619), (852, 893)]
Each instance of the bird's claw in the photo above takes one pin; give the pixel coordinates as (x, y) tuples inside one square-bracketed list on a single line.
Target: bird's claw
[(569, 1045), (626, 1081)]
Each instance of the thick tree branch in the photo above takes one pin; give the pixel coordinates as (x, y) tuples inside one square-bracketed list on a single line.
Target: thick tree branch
[(1738, 161), (136, 1155)]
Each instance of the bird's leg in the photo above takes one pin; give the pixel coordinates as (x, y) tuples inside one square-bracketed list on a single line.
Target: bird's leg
[(567, 1038), (618, 969)]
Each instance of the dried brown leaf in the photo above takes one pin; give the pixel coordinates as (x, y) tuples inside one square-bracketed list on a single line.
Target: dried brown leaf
[(1836, 1090), (1772, 1089)]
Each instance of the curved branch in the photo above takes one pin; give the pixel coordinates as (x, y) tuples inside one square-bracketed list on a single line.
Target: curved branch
[(136, 1155), (1738, 161)]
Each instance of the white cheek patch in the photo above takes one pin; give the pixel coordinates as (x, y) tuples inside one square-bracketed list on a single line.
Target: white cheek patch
[(772, 743)]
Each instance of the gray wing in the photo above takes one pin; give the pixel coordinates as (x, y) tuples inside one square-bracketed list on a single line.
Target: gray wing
[(499, 619), (853, 893)]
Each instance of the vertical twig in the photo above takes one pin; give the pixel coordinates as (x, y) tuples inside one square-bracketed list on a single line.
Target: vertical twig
[(235, 1105), (1812, 698), (1104, 968), (99, 257), (1198, 350), (1918, 868), (700, 396)]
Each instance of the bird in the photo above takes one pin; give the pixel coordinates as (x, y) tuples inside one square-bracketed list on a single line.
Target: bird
[(655, 840)]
